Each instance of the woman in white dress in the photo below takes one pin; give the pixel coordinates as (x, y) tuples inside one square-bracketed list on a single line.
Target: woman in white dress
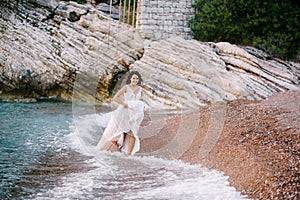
[(121, 132)]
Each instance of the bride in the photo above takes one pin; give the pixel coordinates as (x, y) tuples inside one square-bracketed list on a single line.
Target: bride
[(121, 132)]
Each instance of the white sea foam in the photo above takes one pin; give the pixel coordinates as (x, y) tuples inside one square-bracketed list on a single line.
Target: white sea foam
[(121, 177), (117, 176)]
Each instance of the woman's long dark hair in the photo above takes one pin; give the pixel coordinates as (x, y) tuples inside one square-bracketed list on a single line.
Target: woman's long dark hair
[(128, 81)]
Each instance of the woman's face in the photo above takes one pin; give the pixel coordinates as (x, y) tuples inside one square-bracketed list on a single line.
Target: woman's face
[(134, 79)]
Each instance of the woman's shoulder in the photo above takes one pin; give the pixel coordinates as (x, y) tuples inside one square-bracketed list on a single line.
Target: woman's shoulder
[(125, 87), (122, 90)]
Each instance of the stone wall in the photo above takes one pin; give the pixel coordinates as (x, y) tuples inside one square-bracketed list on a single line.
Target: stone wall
[(161, 19)]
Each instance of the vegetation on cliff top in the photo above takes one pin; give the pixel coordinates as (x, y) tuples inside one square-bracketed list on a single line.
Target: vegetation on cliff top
[(271, 25)]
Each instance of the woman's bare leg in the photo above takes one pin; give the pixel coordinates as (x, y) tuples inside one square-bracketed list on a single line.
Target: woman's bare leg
[(120, 146), (110, 146), (130, 142)]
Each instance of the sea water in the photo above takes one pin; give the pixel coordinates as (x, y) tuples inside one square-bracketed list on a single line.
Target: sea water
[(48, 152)]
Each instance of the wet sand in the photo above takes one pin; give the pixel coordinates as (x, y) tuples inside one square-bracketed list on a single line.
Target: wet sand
[(258, 146)]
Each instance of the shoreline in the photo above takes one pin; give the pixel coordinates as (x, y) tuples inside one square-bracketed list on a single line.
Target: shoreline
[(258, 146)]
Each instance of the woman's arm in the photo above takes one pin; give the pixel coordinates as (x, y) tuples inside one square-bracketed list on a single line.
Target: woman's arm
[(117, 99)]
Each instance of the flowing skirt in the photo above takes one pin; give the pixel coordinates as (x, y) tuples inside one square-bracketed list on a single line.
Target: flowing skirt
[(123, 120)]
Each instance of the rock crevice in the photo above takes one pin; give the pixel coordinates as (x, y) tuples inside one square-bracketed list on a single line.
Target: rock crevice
[(60, 54)]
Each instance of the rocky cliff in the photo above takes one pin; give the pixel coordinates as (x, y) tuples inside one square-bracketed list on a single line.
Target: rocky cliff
[(46, 45), (188, 72), (62, 50)]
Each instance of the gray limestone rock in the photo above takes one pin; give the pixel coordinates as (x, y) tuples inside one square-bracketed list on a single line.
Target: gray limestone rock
[(45, 55)]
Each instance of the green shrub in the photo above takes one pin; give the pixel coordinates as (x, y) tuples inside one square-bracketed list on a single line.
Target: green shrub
[(272, 25)]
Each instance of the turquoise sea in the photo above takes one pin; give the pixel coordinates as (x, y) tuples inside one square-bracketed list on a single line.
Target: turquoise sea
[(46, 152)]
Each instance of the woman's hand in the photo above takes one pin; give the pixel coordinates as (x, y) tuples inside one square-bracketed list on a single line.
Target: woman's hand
[(125, 105)]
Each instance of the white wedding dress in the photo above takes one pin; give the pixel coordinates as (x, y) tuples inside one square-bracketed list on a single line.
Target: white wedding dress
[(124, 120)]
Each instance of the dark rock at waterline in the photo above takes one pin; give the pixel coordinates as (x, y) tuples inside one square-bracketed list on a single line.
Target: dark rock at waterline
[(85, 55)]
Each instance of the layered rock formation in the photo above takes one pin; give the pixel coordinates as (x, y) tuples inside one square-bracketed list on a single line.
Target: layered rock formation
[(66, 51), (190, 73), (47, 46)]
